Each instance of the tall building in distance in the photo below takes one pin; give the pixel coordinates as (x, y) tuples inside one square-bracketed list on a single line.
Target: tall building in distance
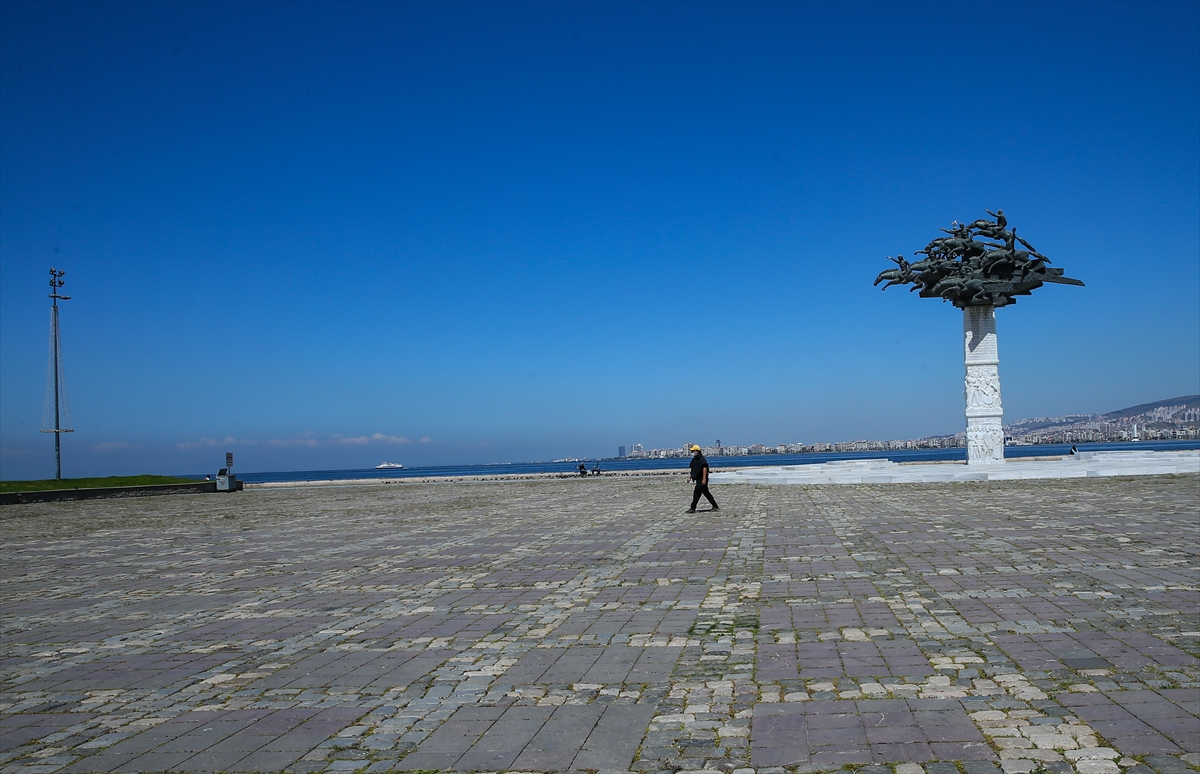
[(620, 451)]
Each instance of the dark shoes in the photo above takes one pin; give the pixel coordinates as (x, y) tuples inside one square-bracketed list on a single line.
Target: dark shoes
[(690, 510), (716, 507)]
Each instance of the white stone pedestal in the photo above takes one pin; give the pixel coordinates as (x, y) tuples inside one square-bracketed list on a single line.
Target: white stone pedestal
[(985, 435)]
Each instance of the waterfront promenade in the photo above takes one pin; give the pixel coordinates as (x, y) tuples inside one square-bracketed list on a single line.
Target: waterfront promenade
[(589, 624)]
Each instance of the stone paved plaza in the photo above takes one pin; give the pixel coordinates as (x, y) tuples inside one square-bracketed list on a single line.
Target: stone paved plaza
[(567, 625)]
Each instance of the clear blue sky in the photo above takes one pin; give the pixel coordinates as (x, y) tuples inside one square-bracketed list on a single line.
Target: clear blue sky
[(326, 235)]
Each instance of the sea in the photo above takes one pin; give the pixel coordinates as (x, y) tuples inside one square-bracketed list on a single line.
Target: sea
[(680, 463)]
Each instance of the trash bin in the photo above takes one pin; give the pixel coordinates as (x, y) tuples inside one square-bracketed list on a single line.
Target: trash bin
[(227, 482)]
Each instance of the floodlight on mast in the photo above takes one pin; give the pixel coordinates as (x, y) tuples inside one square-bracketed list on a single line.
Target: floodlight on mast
[(56, 389)]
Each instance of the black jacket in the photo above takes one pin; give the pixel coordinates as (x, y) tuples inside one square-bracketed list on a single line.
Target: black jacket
[(698, 465)]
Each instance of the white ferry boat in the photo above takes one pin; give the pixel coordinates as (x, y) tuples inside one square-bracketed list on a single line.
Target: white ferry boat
[(389, 466)]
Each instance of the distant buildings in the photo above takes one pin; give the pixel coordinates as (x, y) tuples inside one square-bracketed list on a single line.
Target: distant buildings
[(936, 442), (1162, 421)]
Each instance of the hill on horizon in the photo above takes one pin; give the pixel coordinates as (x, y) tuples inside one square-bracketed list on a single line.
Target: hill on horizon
[(1181, 414), (1188, 401)]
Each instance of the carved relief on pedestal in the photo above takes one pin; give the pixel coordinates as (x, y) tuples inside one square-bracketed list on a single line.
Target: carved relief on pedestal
[(985, 442), (983, 387)]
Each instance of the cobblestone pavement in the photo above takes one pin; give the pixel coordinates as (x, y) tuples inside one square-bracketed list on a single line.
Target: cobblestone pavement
[(962, 628)]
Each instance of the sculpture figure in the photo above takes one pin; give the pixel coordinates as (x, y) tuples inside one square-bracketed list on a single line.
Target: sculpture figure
[(898, 276), (1029, 247), (966, 269)]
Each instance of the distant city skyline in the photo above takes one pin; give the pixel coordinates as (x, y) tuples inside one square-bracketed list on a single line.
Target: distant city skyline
[(1175, 419), (1167, 419), (325, 235)]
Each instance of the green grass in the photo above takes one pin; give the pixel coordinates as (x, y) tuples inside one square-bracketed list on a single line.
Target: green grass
[(90, 483)]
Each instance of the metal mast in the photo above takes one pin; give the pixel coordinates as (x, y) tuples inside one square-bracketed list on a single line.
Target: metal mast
[(56, 282)]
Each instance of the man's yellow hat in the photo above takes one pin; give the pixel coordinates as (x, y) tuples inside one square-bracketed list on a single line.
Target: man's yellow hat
[(695, 448)]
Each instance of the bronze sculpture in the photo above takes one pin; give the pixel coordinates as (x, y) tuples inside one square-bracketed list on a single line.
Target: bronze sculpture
[(965, 270)]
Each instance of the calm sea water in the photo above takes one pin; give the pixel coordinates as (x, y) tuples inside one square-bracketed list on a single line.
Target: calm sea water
[(717, 463)]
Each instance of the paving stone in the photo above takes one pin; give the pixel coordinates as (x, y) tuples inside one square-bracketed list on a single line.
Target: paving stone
[(590, 625), (1167, 764), (943, 768), (979, 767), (1095, 766)]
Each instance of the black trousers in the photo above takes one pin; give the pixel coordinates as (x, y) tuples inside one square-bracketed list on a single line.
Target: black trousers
[(702, 489)]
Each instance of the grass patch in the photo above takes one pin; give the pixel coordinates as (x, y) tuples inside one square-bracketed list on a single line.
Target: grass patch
[(90, 483)]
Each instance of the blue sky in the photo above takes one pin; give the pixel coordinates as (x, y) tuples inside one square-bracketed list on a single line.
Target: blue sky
[(325, 235)]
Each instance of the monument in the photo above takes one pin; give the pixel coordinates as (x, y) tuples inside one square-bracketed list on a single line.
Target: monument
[(977, 276)]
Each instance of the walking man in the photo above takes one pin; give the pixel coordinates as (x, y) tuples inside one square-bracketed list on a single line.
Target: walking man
[(699, 468)]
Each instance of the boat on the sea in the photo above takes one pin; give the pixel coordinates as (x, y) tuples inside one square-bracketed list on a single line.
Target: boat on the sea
[(389, 466)]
